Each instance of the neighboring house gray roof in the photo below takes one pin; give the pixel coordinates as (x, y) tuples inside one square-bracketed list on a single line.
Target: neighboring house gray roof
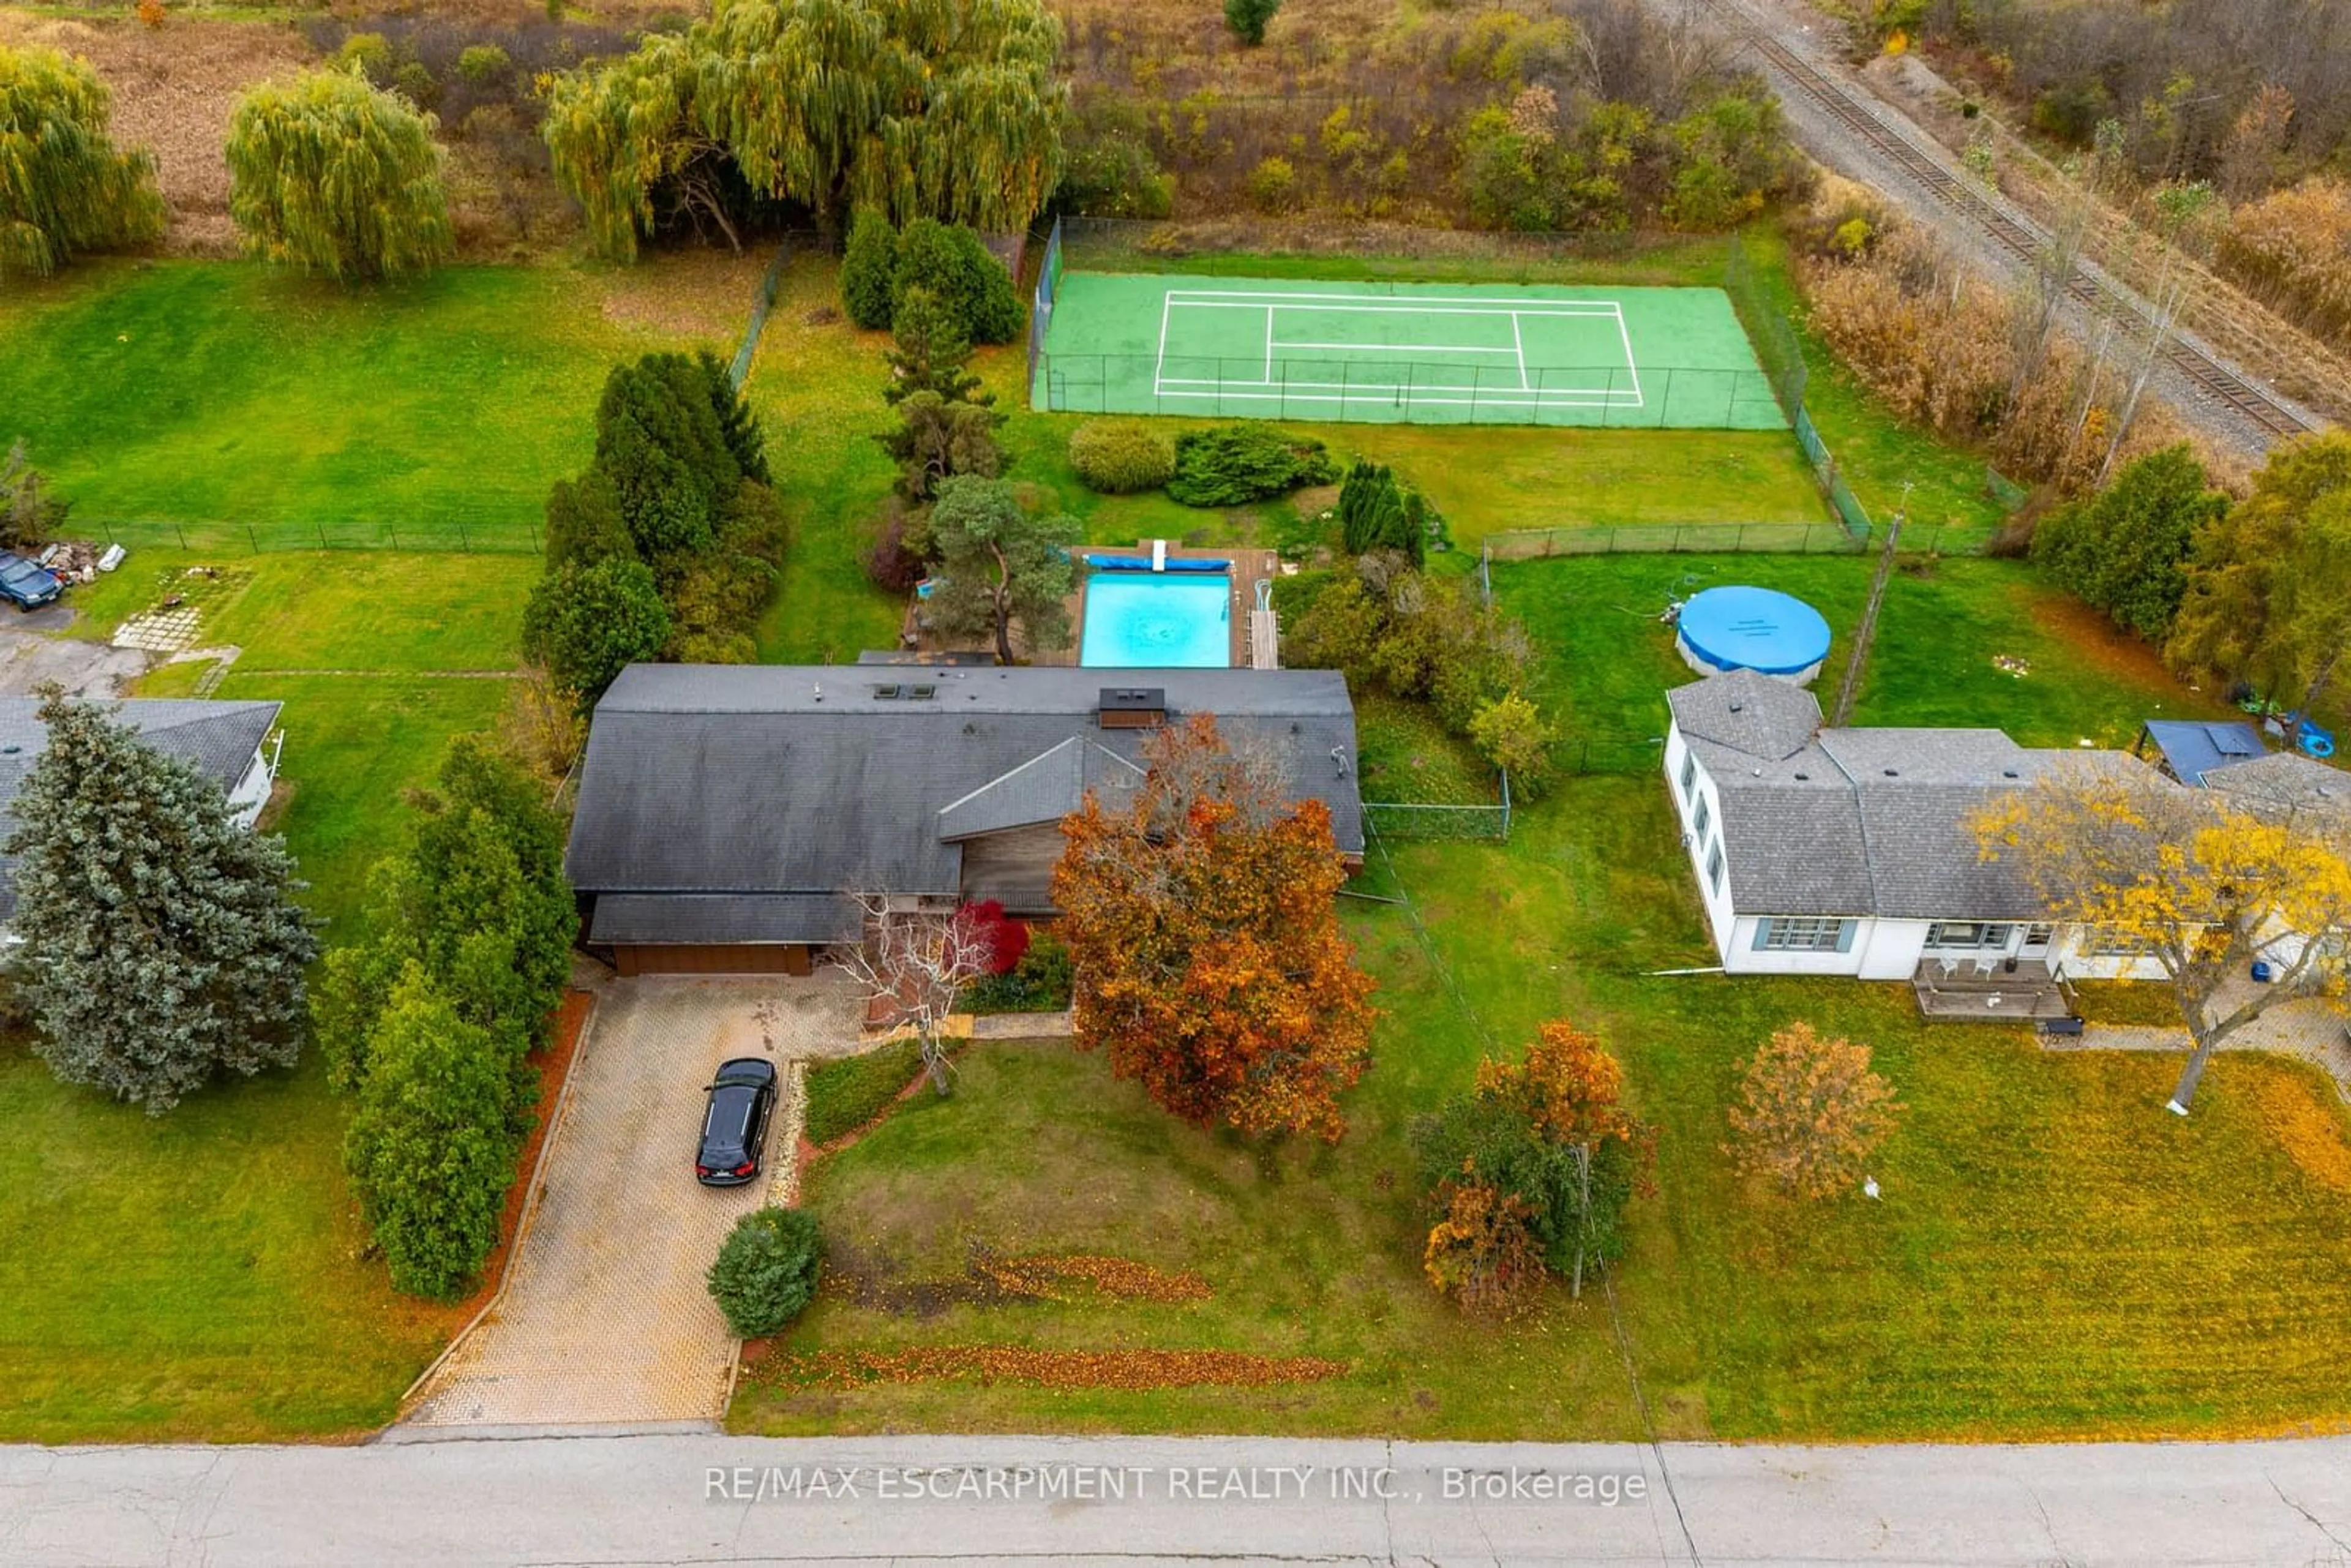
[(1863, 822), (1754, 715), (766, 780), (2284, 780), (217, 738)]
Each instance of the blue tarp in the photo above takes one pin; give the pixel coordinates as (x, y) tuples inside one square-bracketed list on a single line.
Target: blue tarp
[(1754, 629)]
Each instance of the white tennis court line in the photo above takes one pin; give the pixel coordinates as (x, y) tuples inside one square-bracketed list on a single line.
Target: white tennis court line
[(1164, 385)]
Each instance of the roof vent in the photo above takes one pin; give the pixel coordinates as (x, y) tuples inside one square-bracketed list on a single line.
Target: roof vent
[(1132, 707), (1893, 773), (1803, 778), (2007, 773), (1736, 706)]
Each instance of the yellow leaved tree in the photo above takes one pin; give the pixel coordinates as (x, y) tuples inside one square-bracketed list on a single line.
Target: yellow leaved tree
[(2201, 883)]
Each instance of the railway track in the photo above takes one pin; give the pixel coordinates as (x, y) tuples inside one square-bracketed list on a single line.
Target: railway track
[(2093, 293)]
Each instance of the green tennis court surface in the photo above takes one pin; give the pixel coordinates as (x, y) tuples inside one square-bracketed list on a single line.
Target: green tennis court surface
[(1478, 353)]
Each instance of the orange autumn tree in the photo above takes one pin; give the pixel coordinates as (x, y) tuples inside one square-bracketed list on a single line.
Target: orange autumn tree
[(1530, 1173), (1201, 922), (2200, 884), (1811, 1113)]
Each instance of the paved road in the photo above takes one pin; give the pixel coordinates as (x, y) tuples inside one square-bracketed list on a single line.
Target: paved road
[(675, 1499), (605, 1316)]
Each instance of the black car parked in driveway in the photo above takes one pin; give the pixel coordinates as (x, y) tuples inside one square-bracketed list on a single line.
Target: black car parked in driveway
[(735, 1123)]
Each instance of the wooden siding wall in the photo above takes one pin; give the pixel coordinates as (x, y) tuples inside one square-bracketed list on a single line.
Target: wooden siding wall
[(1015, 867)]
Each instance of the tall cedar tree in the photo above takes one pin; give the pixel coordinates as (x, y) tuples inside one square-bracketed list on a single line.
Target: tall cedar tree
[(431, 1148), (1202, 922), (331, 174), (663, 443), (998, 565), (63, 187), (2269, 590), (2125, 549), (165, 943), (944, 109), (930, 353), (477, 900)]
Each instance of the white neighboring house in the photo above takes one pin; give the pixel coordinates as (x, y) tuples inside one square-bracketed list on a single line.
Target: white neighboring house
[(1847, 852), (234, 744)]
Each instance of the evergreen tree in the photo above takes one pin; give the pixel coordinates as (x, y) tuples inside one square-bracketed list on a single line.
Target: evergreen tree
[(1000, 565), (334, 175), (970, 285), (661, 443), (1247, 19), (432, 1146), (584, 523), (937, 441), (166, 947), (930, 353), (64, 188), (588, 624), (2125, 550), (739, 427), (869, 270)]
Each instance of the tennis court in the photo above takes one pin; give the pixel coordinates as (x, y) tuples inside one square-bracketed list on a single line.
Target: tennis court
[(1400, 353)]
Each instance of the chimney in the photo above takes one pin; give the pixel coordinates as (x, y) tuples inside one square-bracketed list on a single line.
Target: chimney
[(1132, 707)]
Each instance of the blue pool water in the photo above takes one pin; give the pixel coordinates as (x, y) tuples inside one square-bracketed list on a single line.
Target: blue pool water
[(1140, 619)]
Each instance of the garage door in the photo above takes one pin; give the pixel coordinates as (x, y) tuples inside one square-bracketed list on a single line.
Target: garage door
[(712, 958)]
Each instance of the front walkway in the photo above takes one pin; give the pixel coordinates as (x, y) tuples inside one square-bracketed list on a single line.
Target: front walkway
[(2306, 1027), (604, 1317)]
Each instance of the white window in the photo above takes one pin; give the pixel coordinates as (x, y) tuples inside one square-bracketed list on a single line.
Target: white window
[(1714, 868), (1968, 934), (1689, 770), (2118, 944), (1804, 934), (1705, 815)]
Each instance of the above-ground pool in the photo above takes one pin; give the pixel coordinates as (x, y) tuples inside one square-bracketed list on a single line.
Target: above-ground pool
[(1141, 619), (1753, 629)]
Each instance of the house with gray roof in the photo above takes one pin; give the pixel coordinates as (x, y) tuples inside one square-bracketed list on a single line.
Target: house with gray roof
[(727, 812), (1847, 852), (227, 742)]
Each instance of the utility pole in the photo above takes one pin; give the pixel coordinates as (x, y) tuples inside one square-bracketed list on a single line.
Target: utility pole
[(1868, 631)]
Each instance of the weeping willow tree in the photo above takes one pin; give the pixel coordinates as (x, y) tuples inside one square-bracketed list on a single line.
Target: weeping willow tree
[(64, 188), (334, 175), (940, 109)]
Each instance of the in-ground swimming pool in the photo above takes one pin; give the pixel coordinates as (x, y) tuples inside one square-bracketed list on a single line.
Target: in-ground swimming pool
[(1139, 619)]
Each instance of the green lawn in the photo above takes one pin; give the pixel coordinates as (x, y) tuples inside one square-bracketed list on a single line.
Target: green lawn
[(1611, 659), (2053, 1254), (215, 396), (199, 1276)]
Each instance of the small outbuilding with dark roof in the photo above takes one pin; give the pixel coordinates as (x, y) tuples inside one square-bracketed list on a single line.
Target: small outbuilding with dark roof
[(728, 813)]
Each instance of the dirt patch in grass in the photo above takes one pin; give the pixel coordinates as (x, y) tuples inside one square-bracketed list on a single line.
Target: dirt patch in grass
[(174, 89), (694, 294), (992, 1364), (2095, 640)]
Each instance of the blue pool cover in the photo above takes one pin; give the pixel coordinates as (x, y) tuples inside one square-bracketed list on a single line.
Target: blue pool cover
[(1754, 629)]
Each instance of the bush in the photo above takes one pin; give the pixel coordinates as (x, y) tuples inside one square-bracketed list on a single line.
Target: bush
[(587, 624), (482, 63), (2126, 550), (1233, 464), (897, 562), (869, 270), (949, 260), (370, 52), (766, 1271), (414, 80), (1273, 185), (1121, 457), (1247, 19), (1039, 983), (846, 1094), (1108, 171)]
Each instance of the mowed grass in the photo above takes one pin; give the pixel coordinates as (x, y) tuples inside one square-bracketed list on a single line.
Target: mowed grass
[(223, 396), (1612, 658), (2053, 1254), (200, 1275)]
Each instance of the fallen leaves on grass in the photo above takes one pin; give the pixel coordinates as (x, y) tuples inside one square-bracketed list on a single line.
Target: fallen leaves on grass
[(1134, 1370), (1046, 1276), (2310, 1131)]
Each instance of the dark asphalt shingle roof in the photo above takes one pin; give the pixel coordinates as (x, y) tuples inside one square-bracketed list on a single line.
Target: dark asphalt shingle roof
[(1756, 715), (764, 779), (2284, 780), (1863, 822), (218, 739)]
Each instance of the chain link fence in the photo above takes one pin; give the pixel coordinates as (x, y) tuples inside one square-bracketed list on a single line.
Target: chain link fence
[(451, 535), (1241, 247)]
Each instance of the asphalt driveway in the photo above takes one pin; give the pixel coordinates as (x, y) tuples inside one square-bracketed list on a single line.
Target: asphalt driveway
[(605, 1318)]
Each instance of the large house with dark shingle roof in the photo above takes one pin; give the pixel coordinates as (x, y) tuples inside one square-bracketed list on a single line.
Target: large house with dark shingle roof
[(227, 742), (726, 812), (1847, 852)]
